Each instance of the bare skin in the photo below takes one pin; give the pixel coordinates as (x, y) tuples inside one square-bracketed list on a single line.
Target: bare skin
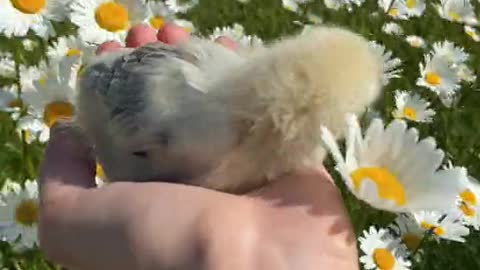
[(298, 222)]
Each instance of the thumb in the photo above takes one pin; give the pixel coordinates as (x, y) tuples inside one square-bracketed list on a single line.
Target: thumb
[(68, 163)]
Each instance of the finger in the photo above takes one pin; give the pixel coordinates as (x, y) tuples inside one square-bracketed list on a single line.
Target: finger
[(68, 161), (108, 46), (172, 34), (140, 35), (227, 42)]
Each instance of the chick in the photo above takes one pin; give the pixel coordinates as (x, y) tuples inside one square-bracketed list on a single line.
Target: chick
[(201, 114)]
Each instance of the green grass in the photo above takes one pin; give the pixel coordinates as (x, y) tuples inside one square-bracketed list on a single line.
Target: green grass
[(455, 129)]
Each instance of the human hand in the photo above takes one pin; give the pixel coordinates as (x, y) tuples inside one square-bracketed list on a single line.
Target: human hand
[(298, 222)]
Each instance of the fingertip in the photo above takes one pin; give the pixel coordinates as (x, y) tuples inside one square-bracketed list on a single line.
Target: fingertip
[(172, 34), (109, 46), (139, 35), (227, 42)]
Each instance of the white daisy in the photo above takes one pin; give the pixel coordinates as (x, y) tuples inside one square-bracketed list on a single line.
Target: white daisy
[(409, 231), (414, 8), (10, 186), (471, 32), (444, 226), (466, 74), (337, 4), (438, 76), (29, 45), (54, 95), (469, 203), (382, 251), (106, 20), (7, 66), (454, 55), (17, 17), (28, 74), (19, 215), (187, 25), (237, 34), (70, 49), (392, 28), (180, 6), (394, 8), (290, 5), (415, 41), (9, 99), (412, 107), (157, 14), (391, 65), (391, 170), (34, 129), (460, 11)]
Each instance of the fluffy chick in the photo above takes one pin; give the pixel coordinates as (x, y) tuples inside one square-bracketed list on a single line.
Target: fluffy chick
[(203, 115)]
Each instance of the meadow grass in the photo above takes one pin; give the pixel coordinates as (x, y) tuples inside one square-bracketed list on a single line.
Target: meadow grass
[(456, 129)]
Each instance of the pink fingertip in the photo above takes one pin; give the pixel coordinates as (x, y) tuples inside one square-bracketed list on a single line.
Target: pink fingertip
[(227, 42), (108, 46), (140, 35), (172, 34)]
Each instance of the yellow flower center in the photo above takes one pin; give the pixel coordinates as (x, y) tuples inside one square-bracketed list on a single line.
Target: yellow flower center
[(29, 6), (393, 12), (16, 103), (383, 258), (387, 184), (26, 212), (467, 210), (42, 81), (412, 241), (73, 52), (469, 197), (57, 110), (433, 78), (156, 22), (436, 230), (411, 3), (409, 113), (415, 43), (112, 17), (454, 16)]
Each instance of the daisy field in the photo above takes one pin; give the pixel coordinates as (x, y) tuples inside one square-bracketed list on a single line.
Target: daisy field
[(425, 126)]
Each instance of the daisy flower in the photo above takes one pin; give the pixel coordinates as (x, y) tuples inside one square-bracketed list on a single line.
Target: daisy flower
[(391, 65), (29, 45), (34, 129), (409, 231), (454, 55), (54, 95), (181, 6), (187, 25), (460, 11), (412, 107), (471, 32), (157, 14), (465, 73), (7, 66), (19, 215), (9, 99), (438, 76), (469, 203), (106, 20), (394, 8), (415, 41), (17, 17), (414, 8), (237, 34), (70, 49), (391, 170), (10, 186), (28, 74), (392, 28), (337, 4), (442, 226), (381, 251), (290, 5)]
